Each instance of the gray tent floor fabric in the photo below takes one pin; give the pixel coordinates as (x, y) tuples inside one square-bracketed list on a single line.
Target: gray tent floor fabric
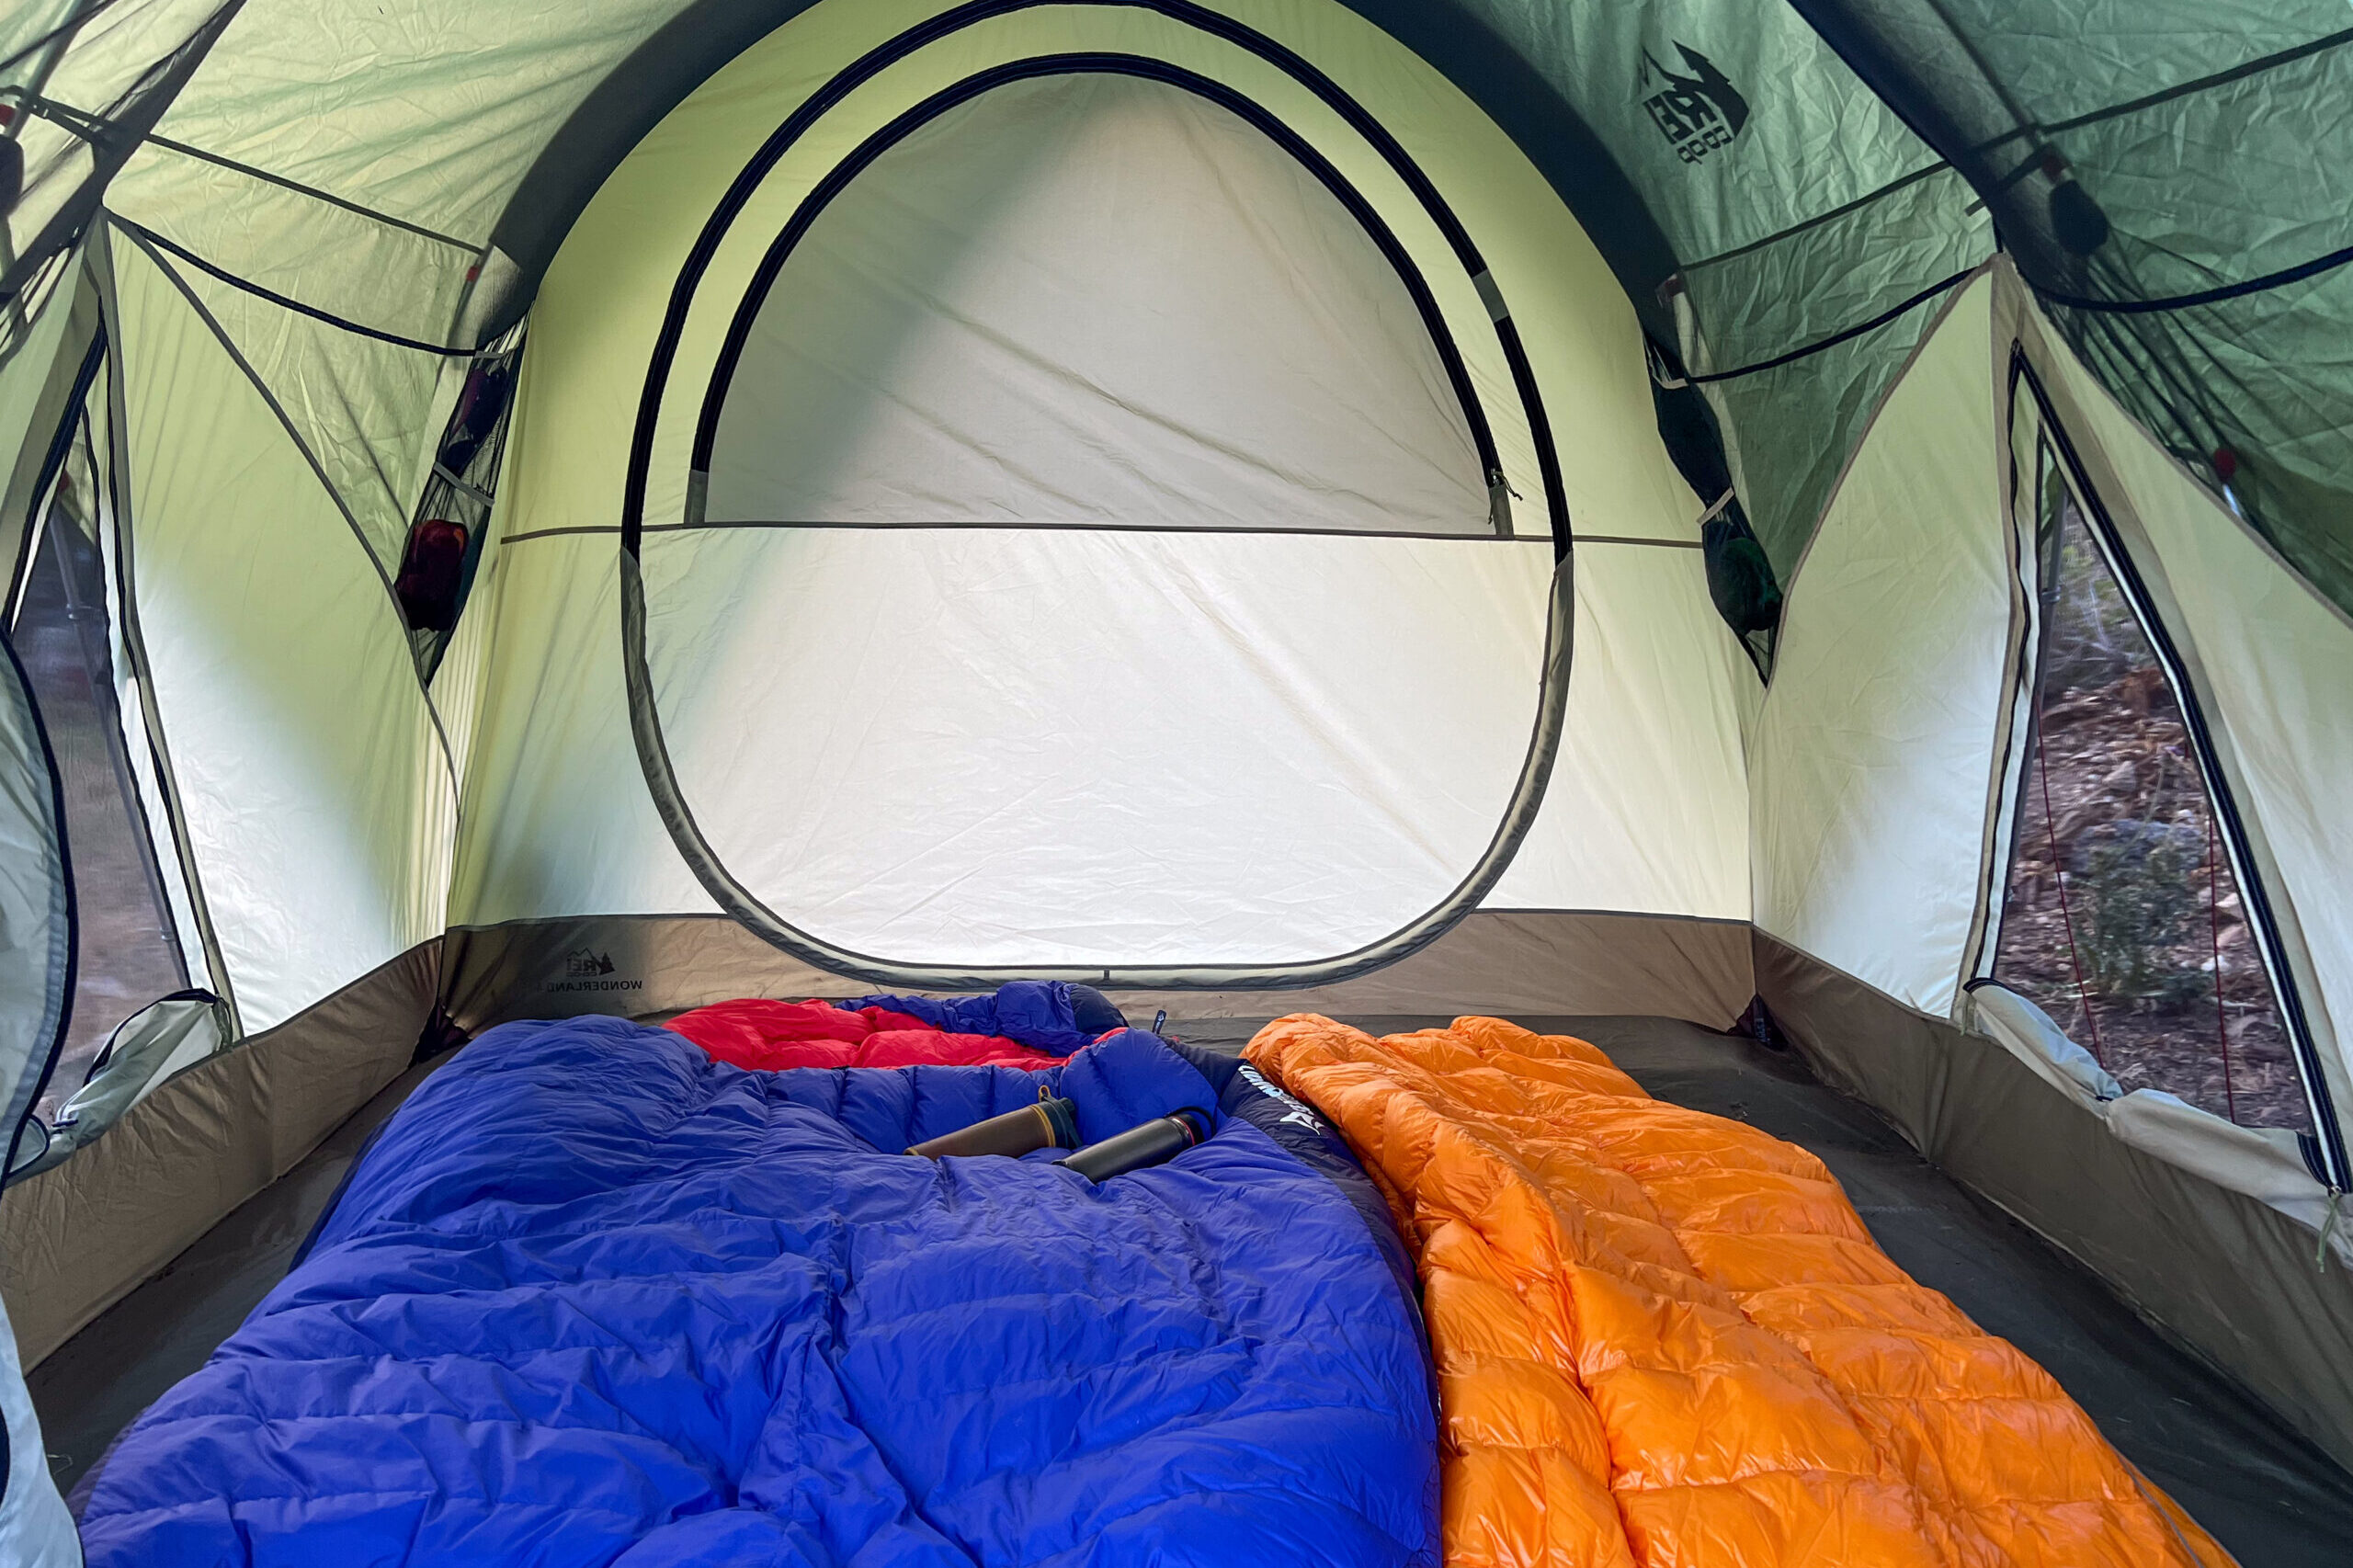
[(2269, 1497)]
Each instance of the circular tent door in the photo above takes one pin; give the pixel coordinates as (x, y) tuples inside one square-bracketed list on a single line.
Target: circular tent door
[(1095, 563)]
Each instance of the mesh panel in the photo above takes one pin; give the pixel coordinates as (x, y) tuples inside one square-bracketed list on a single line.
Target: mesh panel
[(2178, 169), (1791, 429), (127, 957)]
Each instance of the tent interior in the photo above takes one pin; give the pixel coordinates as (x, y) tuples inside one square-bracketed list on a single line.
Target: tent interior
[(1808, 546)]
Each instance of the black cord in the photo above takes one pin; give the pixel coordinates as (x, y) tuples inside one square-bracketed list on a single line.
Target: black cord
[(2287, 275), (297, 306), (1834, 339)]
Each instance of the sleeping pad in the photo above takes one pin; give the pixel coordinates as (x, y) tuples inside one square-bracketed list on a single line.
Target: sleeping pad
[(592, 1298), (1024, 1023), (1665, 1338), (773, 1035)]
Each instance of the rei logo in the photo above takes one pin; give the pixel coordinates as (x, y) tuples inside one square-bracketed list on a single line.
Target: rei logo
[(1697, 113)]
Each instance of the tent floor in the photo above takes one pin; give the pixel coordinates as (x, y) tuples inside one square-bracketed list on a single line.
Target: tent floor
[(2269, 1497)]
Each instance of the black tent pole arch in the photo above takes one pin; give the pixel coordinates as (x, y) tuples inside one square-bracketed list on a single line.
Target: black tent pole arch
[(839, 178), (871, 64), (645, 721)]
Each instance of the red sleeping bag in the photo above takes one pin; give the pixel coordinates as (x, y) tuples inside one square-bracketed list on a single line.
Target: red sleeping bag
[(768, 1036)]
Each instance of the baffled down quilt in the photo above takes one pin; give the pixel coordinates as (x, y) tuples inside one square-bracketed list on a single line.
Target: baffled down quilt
[(1665, 1340), (593, 1298)]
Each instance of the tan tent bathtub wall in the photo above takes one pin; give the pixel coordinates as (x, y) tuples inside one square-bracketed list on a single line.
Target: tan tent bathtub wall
[(77, 1239), (1538, 962)]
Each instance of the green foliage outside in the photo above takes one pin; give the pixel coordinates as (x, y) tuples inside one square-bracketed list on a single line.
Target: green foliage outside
[(2139, 900)]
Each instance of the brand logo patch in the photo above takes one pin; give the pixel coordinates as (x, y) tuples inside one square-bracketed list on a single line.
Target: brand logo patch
[(1297, 1113), (1697, 113), (584, 969)]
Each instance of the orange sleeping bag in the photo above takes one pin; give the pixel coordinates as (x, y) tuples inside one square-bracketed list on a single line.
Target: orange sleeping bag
[(1665, 1338)]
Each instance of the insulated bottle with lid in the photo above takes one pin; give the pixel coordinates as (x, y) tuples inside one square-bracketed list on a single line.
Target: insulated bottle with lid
[(1051, 1123), (1150, 1144)]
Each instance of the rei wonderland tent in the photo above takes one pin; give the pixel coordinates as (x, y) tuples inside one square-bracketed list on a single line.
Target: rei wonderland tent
[(1810, 543)]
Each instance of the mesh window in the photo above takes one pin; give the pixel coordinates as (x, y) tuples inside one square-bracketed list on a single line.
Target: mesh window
[(2121, 919), (125, 956)]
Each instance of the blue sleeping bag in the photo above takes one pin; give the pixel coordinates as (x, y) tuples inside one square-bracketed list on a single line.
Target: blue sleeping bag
[(592, 1298)]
